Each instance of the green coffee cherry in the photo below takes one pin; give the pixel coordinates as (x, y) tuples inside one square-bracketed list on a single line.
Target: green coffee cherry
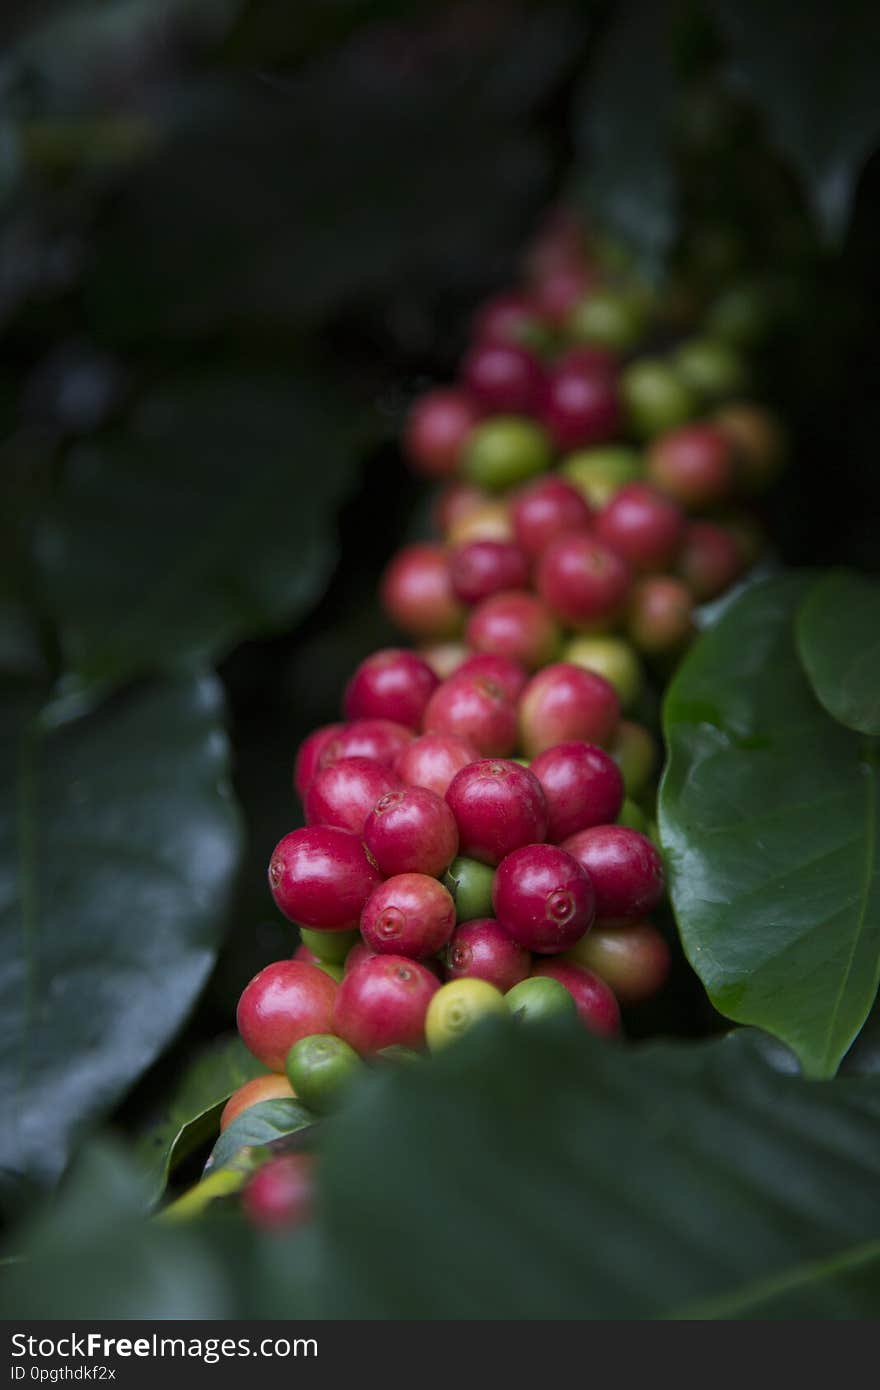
[(600, 473), (457, 1006), (612, 657), (320, 1068), (470, 884), (656, 397), (330, 968), (633, 817), (635, 753), (539, 997), (712, 369), (608, 319), (329, 946), (397, 1054), (506, 450)]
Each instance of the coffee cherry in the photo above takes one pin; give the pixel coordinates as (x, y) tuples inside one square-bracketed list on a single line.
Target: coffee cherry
[(711, 560), (609, 319), (600, 473), (321, 1068), (443, 657), (474, 709), (331, 968), (278, 1197), (359, 952), (504, 378), (596, 1005), (482, 950), (321, 876), (490, 521), (695, 465), (580, 407), (286, 1001), (538, 998), (457, 501), (515, 624), (345, 793), (379, 739), (711, 368), (635, 753), (510, 675), (482, 568), (417, 592), (643, 526), (433, 760), (391, 684), (611, 657), (582, 785), (457, 1007), (758, 442), (633, 817), (498, 806), (272, 1086), (329, 947), (633, 961), (408, 915), (507, 318), (547, 509), (383, 1002), (506, 450), (411, 830), (583, 581), (564, 703), (625, 869), (655, 396), (660, 616), (543, 898), (470, 883), (436, 430), (308, 758), (559, 290)]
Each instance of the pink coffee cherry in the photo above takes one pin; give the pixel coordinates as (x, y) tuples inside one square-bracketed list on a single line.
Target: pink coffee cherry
[(559, 289), (583, 581), (437, 426), (515, 624), (545, 510), (412, 830), (408, 915), (457, 501), (321, 876), (625, 869), (359, 952), (345, 792), (483, 950), (432, 761), (643, 526), (417, 594), (565, 703), (279, 1195), (634, 961), (504, 378), (695, 464), (308, 758), (581, 407), (383, 1001), (597, 1007), (498, 806), (660, 613), (543, 898), (391, 684), (474, 709), (511, 675), (482, 568), (710, 561), (286, 1001), (582, 786), (379, 739)]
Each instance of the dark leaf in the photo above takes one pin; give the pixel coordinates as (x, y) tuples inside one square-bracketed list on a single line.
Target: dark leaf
[(258, 1125), (838, 634)]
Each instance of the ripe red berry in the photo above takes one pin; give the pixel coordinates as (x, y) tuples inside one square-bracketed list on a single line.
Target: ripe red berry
[(711, 560), (483, 950), (581, 406), (383, 1001), (511, 675), (408, 915), (457, 501), (565, 703), (589, 357), (391, 684), (633, 961), (482, 568), (559, 289), (436, 428), (379, 739), (582, 786), (597, 1007), (498, 806), (359, 952), (308, 758), (417, 592), (345, 792), (506, 318), (433, 760), (278, 1197), (504, 378), (625, 869), (547, 509), (271, 1086), (660, 614), (515, 624), (643, 526), (543, 898), (583, 580), (695, 464), (412, 830), (286, 1001), (474, 709), (321, 876)]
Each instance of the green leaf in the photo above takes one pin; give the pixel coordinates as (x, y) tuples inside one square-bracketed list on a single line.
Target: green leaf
[(812, 70), (838, 634), (209, 518), (768, 816), (118, 841), (193, 1111), (258, 1125)]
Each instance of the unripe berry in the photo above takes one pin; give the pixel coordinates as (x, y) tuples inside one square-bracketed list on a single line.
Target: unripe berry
[(633, 961), (272, 1086), (476, 710), (308, 758), (580, 407), (379, 739), (391, 684), (695, 465), (711, 368), (383, 1002), (633, 817), (612, 657), (321, 876), (457, 1007), (635, 753), (503, 378), (758, 442), (498, 806), (433, 760), (583, 581), (321, 1068), (643, 526), (286, 1001), (515, 624), (543, 898), (490, 521), (506, 450), (417, 592), (711, 560), (546, 509), (332, 968), (278, 1197), (597, 1007), (436, 430), (582, 785), (625, 869), (408, 915), (482, 568), (411, 830), (655, 396), (470, 883), (483, 950), (443, 657), (331, 947), (598, 474), (538, 998), (457, 501), (660, 615), (609, 319), (345, 792), (503, 671), (564, 703)]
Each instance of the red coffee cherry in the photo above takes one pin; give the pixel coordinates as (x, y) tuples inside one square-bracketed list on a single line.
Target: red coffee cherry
[(457, 501), (633, 961), (504, 378), (278, 1197), (498, 806), (417, 592), (391, 684), (433, 760), (517, 625), (564, 704), (582, 785), (482, 568), (596, 1005), (379, 739), (345, 792), (695, 464), (660, 615), (412, 830), (581, 407), (643, 526), (511, 675), (483, 950), (437, 426), (547, 509), (308, 758), (625, 869), (506, 318), (474, 709), (583, 581), (286, 1001), (321, 876), (711, 560), (543, 898), (383, 1001), (408, 915)]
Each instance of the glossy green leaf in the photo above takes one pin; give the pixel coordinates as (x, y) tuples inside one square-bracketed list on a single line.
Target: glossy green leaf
[(768, 816), (258, 1125), (118, 842), (838, 634)]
